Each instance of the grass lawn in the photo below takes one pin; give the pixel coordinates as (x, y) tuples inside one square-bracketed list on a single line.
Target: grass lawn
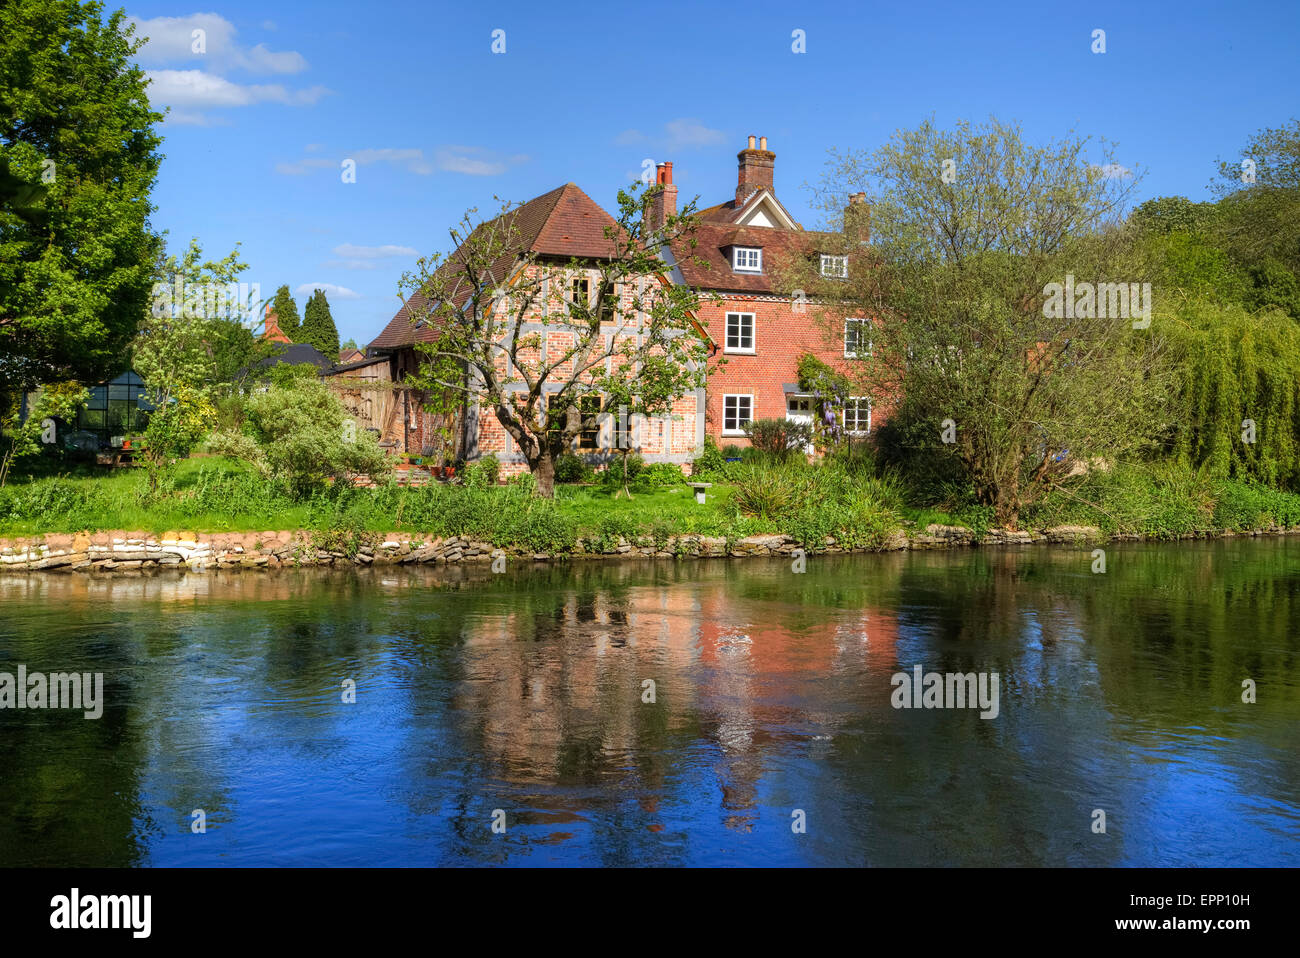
[(222, 495)]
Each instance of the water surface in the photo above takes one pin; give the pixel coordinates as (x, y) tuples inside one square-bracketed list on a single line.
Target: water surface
[(524, 692)]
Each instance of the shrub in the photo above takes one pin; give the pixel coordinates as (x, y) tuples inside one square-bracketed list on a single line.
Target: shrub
[(778, 438), (294, 431), (661, 474), (711, 461), (763, 492), (571, 468), (612, 528), (481, 473), (523, 480)]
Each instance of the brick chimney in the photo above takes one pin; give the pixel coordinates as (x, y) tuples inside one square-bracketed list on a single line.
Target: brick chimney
[(857, 217), (664, 203), (271, 328), (755, 170)]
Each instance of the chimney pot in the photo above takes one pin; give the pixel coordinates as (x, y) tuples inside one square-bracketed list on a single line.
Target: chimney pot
[(762, 143), (755, 171)]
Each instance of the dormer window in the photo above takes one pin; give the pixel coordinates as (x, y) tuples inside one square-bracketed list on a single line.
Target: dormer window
[(746, 259), (836, 267)]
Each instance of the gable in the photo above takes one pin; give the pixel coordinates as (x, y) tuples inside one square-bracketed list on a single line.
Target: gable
[(764, 210)]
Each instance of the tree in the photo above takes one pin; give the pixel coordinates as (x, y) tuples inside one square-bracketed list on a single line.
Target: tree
[(1259, 198), (55, 401), (318, 326), (177, 352), (78, 151), (297, 430), (286, 312), (629, 331), (970, 265)]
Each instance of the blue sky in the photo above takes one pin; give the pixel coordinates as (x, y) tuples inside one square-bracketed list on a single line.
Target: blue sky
[(438, 123)]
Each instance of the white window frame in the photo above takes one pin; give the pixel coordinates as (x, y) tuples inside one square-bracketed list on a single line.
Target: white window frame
[(866, 321), (739, 430), (736, 252), (857, 402), (749, 350), (841, 273)]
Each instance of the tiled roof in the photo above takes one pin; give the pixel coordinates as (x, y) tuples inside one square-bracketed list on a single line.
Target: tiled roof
[(564, 223), (779, 246)]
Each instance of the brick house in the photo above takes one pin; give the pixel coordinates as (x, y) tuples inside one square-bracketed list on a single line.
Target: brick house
[(762, 330), (556, 228)]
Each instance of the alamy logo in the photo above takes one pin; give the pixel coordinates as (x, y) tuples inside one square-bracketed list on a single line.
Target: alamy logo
[(179, 299), (58, 690), (1098, 301), (102, 911), (948, 690)]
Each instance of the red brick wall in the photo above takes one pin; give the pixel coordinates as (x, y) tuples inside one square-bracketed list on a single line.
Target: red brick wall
[(781, 335)]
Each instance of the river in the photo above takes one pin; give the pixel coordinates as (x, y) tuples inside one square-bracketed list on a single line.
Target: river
[(769, 734)]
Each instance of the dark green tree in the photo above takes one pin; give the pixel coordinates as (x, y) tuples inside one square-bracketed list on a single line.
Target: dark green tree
[(286, 311), (78, 160), (318, 327)]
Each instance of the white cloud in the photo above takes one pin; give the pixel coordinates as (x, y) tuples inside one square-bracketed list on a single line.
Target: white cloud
[(187, 58), (412, 159), (680, 134), (261, 60), (475, 160), (188, 118), (195, 88), (330, 290), (687, 134), (1113, 171), (350, 264), (303, 167), (373, 252), (172, 40)]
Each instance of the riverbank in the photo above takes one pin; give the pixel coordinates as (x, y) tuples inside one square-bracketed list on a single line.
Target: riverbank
[(128, 552)]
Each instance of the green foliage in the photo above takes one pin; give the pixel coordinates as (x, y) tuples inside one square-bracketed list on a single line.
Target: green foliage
[(483, 472), (777, 439), (766, 492), (830, 390), (659, 475), (523, 480), (78, 159), (710, 463), (318, 327), (812, 503), (1236, 366), (58, 402), (294, 431), (965, 326), (572, 468), (286, 313), (538, 401), (611, 529)]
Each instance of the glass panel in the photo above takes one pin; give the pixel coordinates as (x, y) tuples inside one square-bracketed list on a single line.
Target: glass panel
[(98, 397), (117, 392)]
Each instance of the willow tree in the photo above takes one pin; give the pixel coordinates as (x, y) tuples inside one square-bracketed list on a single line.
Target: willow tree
[(552, 346), (1004, 302)]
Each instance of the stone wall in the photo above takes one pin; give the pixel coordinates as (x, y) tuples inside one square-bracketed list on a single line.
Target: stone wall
[(133, 552)]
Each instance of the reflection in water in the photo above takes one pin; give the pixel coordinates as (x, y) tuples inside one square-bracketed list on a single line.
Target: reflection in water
[(531, 693)]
